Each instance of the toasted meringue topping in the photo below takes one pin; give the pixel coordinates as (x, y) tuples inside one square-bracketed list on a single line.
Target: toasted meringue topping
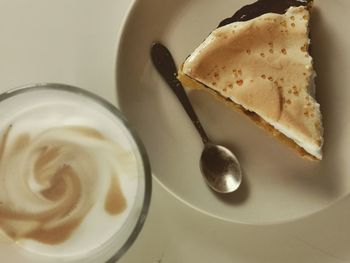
[(263, 65)]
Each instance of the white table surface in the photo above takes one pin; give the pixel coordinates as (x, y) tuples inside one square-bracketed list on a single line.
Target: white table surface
[(74, 42)]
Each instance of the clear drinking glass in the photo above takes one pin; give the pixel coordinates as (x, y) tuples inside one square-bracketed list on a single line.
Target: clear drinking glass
[(18, 100)]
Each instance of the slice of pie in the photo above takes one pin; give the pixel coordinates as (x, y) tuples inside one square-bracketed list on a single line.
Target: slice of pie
[(261, 66)]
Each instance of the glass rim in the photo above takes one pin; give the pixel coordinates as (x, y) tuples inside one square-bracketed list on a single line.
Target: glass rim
[(139, 145)]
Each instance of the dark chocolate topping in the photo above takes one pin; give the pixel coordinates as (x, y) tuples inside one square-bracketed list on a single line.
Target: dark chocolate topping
[(261, 7)]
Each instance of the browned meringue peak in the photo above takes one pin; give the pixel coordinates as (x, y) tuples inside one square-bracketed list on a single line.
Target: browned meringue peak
[(263, 65)]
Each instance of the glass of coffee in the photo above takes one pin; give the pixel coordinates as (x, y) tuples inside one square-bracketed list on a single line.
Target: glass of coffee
[(75, 181)]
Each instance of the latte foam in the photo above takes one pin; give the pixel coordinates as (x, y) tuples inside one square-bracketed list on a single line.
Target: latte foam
[(68, 173)]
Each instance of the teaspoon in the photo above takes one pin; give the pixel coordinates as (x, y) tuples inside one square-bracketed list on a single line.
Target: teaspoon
[(219, 166)]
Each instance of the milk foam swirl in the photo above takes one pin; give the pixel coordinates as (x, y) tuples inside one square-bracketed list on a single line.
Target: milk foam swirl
[(51, 180)]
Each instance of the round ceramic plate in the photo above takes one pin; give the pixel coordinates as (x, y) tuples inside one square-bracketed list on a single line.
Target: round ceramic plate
[(278, 185)]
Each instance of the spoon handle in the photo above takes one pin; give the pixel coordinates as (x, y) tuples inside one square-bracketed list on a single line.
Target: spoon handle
[(164, 63)]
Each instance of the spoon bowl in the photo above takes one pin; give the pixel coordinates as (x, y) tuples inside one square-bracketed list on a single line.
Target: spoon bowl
[(220, 168)]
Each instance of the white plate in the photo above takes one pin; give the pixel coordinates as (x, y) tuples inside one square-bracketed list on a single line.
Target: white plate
[(278, 185)]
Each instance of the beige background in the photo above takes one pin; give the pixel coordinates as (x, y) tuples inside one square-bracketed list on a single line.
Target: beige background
[(74, 42)]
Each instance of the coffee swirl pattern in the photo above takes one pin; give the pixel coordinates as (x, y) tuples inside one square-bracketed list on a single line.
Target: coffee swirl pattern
[(49, 182)]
